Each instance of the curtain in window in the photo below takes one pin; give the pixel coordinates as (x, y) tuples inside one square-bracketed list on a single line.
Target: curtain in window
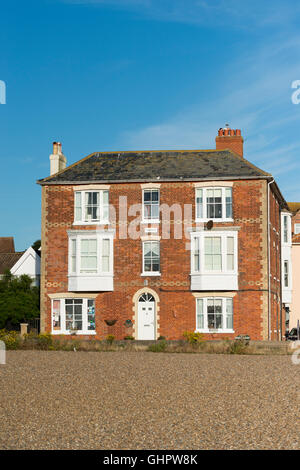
[(213, 253), (200, 314), (151, 256), (230, 253), (199, 203), (105, 255), (88, 255)]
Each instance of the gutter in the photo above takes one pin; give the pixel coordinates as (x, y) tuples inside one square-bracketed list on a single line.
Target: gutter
[(154, 179)]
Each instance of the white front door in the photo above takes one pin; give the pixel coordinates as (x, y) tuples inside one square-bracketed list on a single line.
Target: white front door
[(146, 317)]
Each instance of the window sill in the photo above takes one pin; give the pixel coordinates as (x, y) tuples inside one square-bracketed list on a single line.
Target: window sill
[(151, 274), (93, 222), (214, 220), (86, 333), (150, 221), (214, 331)]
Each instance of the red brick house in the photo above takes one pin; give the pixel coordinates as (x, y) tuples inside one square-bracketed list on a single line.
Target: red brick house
[(154, 243)]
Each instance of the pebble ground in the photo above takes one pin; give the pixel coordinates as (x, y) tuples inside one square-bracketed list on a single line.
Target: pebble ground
[(142, 400)]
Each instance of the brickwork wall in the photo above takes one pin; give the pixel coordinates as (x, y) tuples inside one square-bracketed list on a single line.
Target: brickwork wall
[(176, 302)]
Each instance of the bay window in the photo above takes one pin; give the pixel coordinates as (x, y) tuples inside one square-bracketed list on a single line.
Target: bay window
[(91, 207), (90, 260), (214, 260), (214, 315), (214, 204), (73, 315)]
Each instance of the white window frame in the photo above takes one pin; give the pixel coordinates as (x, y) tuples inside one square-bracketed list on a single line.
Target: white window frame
[(82, 221), (204, 190), (150, 273), (63, 330), (150, 220), (297, 228), (90, 235), (205, 328), (218, 234)]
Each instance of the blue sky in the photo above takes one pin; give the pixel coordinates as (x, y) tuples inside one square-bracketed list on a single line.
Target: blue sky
[(142, 74)]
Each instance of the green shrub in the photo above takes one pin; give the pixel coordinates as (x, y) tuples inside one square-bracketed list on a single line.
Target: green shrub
[(158, 347), (238, 346), (161, 338), (42, 341), (10, 338), (129, 337), (193, 338), (110, 339)]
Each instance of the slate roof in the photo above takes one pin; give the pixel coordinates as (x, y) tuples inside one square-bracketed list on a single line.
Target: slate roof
[(7, 245), (8, 260), (151, 165)]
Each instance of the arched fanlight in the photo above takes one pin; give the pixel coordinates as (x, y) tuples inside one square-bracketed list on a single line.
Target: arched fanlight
[(146, 298)]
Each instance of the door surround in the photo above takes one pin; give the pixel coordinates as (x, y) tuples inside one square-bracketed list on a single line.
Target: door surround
[(135, 300)]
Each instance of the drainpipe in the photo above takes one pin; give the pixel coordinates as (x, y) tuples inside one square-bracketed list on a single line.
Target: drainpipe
[(269, 265)]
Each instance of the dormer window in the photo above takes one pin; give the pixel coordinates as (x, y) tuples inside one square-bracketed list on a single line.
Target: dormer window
[(214, 204), (91, 207)]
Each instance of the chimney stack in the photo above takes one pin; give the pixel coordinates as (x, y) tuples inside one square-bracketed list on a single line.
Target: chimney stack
[(231, 139), (58, 161)]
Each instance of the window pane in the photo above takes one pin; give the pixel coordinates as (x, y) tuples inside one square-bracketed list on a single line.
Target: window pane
[(147, 196), (230, 253), (151, 203), (229, 322), (199, 203), (73, 256), (214, 203), (200, 322), (105, 255), (78, 211), (213, 253), (151, 256), (199, 306), (56, 316), (229, 306), (92, 205), (200, 316), (214, 313), (91, 315), (89, 255), (155, 196), (228, 194), (105, 205)]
